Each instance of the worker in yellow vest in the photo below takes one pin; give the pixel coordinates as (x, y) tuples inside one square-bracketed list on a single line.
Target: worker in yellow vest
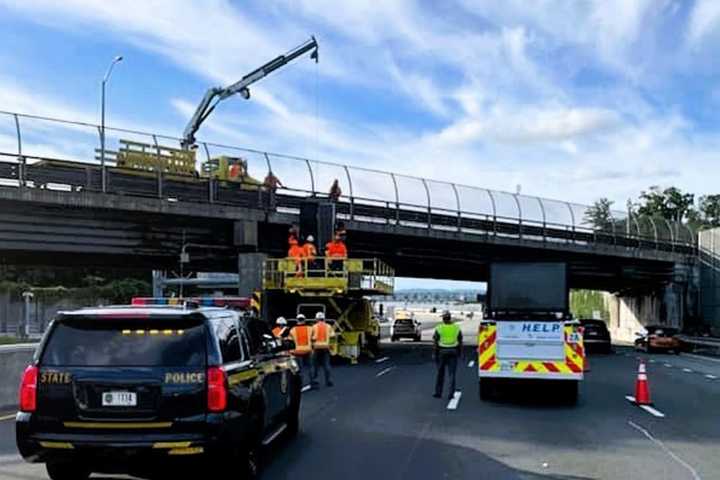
[(447, 341), (301, 335), (280, 329), (322, 335)]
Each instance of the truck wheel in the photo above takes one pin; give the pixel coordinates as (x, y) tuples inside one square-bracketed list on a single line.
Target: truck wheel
[(66, 471), (571, 392), (486, 388)]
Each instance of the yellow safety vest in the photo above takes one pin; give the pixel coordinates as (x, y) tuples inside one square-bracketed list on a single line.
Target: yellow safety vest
[(448, 333)]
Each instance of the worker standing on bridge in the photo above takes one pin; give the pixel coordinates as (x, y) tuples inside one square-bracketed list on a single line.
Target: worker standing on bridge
[(322, 333), (301, 334), (297, 253), (336, 251), (335, 191), (447, 341)]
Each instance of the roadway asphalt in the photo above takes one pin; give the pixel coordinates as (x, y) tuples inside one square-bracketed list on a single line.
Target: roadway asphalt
[(380, 422)]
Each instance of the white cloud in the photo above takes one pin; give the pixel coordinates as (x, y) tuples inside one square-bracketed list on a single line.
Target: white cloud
[(705, 18)]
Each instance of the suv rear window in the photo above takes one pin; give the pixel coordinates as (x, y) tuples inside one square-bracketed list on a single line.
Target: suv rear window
[(404, 321), (98, 342)]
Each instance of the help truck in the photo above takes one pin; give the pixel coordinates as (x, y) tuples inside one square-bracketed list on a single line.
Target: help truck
[(527, 333)]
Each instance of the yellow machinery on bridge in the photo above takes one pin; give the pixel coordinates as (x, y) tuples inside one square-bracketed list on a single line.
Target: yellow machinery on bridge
[(339, 288)]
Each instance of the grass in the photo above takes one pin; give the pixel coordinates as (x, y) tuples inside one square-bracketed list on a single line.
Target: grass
[(7, 340)]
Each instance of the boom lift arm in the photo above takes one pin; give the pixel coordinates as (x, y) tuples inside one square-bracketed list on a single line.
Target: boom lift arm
[(216, 94)]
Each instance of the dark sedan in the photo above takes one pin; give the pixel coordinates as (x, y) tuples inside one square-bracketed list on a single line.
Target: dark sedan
[(596, 336)]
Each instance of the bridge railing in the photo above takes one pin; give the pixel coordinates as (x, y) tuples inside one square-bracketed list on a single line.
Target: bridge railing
[(72, 162)]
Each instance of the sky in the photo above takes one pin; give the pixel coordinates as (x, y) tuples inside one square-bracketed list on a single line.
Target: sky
[(574, 100)]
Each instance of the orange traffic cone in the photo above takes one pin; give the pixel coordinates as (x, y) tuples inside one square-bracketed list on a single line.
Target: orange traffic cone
[(642, 391)]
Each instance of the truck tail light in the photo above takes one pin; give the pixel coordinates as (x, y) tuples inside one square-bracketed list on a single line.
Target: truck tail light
[(216, 390), (28, 389)]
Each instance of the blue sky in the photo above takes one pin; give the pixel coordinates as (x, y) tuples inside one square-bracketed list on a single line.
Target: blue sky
[(571, 100)]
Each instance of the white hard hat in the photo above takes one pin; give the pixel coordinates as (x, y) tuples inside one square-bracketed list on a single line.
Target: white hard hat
[(301, 316), (319, 316), (281, 321), (310, 238)]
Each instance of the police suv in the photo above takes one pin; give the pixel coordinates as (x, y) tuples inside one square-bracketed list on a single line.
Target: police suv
[(128, 389)]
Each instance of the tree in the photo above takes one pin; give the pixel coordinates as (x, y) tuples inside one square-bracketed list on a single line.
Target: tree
[(599, 215), (709, 210), (670, 204)]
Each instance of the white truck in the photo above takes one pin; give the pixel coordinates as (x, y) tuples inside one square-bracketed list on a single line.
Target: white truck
[(527, 332)]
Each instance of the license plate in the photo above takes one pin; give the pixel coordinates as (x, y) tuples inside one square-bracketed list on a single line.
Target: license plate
[(119, 399)]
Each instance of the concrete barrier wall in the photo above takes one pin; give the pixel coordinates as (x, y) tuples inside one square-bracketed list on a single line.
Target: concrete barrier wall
[(13, 360)]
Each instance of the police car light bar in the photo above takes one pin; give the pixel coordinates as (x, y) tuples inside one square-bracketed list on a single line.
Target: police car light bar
[(237, 303)]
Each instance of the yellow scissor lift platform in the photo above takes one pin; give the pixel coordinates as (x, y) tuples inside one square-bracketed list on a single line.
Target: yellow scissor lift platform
[(339, 288)]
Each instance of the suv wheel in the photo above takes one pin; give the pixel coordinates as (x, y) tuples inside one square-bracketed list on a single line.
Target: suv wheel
[(66, 471)]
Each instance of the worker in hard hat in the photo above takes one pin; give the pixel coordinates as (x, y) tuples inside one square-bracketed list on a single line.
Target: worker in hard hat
[(447, 341), (322, 335), (309, 256), (336, 253), (280, 329), (301, 335), (297, 254)]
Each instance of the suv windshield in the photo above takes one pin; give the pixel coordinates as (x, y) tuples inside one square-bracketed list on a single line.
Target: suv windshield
[(97, 342)]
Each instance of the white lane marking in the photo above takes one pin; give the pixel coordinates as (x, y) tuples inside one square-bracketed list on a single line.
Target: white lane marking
[(471, 363), (662, 446), (652, 360), (453, 403), (383, 372), (7, 417), (668, 365), (383, 359), (711, 377), (687, 370), (700, 357), (647, 408), (306, 388), (652, 411)]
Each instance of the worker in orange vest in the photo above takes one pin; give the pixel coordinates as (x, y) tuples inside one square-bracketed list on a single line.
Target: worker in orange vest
[(297, 253), (322, 334), (309, 254), (335, 251), (280, 327), (301, 335)]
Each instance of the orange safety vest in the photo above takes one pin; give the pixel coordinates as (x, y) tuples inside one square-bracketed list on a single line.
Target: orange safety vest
[(301, 336), (309, 251), (336, 249), (277, 331), (321, 333)]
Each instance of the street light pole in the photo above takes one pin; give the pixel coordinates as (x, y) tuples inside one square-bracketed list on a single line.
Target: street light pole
[(103, 174)]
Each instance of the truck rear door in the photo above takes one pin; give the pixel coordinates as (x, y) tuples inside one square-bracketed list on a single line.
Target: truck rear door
[(531, 340), (148, 372)]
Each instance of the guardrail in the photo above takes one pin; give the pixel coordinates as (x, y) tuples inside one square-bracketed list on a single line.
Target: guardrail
[(365, 194)]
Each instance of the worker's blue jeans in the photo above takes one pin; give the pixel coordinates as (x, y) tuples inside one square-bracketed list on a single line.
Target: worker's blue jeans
[(447, 358), (321, 357)]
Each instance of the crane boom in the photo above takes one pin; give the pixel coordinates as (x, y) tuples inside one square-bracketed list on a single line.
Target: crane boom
[(214, 95)]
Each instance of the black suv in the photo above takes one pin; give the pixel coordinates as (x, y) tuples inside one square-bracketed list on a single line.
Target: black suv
[(127, 389)]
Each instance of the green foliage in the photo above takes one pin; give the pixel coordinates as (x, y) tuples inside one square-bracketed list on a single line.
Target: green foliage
[(709, 210), (584, 302), (670, 204), (599, 215), (117, 291), (7, 340)]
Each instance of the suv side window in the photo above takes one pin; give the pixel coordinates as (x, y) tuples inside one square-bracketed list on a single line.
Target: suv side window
[(228, 339), (257, 331), (247, 353)]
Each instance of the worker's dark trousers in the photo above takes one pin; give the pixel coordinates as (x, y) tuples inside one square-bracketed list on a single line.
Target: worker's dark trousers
[(305, 364), (447, 358), (321, 357)]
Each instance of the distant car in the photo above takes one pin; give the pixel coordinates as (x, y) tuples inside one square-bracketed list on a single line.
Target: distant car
[(658, 338), (596, 335), (405, 326)]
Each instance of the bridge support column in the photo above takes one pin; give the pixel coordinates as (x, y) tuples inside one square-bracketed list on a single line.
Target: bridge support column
[(674, 305), (250, 271)]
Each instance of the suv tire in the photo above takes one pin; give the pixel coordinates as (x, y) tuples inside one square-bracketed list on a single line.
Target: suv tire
[(66, 471)]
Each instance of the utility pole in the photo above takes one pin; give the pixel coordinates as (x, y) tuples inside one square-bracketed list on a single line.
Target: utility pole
[(103, 174)]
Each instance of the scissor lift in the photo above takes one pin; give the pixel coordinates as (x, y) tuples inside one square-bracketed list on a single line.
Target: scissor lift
[(338, 287)]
